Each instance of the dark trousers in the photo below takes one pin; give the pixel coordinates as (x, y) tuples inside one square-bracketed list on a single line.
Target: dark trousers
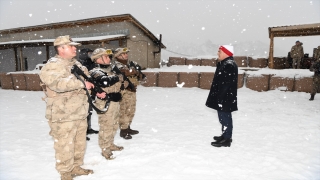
[(225, 119)]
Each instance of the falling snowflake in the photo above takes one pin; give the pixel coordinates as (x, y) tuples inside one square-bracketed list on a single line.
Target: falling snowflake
[(203, 28), (30, 15), (39, 52)]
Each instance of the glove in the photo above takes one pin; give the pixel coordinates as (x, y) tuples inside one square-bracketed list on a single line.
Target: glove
[(116, 97)]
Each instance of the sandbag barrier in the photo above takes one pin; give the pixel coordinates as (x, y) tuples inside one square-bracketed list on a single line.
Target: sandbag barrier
[(242, 61), (203, 80), (20, 81)]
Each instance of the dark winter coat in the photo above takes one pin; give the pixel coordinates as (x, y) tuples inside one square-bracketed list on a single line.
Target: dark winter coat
[(223, 92), (85, 60)]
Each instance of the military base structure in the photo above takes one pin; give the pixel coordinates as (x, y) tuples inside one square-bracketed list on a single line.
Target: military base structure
[(290, 31), (145, 47), (23, 48)]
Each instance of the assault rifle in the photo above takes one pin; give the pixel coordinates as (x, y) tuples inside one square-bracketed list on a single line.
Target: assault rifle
[(97, 89), (137, 67), (117, 71)]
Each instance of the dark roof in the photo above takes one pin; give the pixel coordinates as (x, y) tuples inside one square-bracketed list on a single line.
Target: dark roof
[(85, 22)]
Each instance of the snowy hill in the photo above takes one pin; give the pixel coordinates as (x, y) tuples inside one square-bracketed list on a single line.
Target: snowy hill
[(209, 48)]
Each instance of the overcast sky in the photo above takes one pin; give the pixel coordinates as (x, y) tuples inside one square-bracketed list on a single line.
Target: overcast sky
[(195, 21)]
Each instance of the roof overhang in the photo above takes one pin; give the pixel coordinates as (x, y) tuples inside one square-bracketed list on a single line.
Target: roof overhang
[(49, 42), (86, 22), (295, 30)]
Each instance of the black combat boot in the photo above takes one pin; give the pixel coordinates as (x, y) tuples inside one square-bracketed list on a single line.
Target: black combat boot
[(312, 97), (219, 138), (91, 131), (124, 134), (223, 143), (132, 132)]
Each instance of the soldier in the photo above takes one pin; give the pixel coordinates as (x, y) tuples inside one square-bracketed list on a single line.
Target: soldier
[(66, 108), (111, 84), (315, 67), (317, 54), (296, 53), (128, 102), (85, 60)]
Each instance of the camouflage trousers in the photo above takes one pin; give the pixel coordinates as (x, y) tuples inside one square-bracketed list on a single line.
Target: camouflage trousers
[(69, 143), (296, 63), (108, 123), (316, 85), (127, 108)]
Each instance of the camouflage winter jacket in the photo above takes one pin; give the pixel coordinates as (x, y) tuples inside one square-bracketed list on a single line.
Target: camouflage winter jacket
[(317, 54), (315, 67), (109, 82), (132, 74), (296, 51), (65, 95)]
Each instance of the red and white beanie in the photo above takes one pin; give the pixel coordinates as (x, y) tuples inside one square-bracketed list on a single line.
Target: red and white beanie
[(227, 49)]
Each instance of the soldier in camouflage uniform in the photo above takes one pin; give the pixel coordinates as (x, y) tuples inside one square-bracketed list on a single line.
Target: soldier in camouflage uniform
[(128, 102), (297, 54), (111, 84), (66, 108), (315, 67)]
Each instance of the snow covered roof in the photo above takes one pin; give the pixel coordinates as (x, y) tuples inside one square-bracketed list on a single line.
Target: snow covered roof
[(81, 39), (295, 30), (86, 22)]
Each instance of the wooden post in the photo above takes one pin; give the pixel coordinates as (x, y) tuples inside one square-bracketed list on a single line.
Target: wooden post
[(270, 64), (16, 58), (21, 59), (47, 53)]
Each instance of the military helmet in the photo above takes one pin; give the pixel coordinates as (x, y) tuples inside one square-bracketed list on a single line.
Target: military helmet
[(97, 53), (119, 51)]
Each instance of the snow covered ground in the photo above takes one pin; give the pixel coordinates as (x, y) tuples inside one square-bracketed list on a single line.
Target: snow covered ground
[(276, 136)]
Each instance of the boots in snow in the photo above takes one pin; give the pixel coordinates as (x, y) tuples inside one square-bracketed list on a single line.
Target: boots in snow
[(91, 131), (312, 97), (124, 134), (116, 148), (78, 171), (66, 176), (107, 155), (132, 132), (219, 138), (223, 143)]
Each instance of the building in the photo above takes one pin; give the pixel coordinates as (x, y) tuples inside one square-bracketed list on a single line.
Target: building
[(23, 48)]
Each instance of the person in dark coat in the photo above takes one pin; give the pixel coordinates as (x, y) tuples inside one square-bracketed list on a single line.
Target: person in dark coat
[(85, 60), (223, 94)]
